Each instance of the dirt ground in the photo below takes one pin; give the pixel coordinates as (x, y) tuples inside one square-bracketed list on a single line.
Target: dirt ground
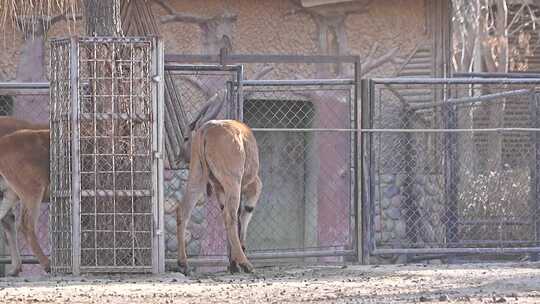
[(470, 283)]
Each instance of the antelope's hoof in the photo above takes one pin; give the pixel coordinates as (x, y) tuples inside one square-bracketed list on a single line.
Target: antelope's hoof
[(184, 269), (233, 267), (47, 268), (14, 272), (247, 267)]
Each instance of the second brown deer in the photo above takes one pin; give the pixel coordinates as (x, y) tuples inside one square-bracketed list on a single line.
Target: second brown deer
[(24, 167), (223, 160)]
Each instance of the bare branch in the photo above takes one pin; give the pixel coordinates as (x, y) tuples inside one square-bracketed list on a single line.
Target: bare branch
[(373, 63), (199, 85), (175, 16), (166, 6), (63, 16), (181, 17), (260, 74)]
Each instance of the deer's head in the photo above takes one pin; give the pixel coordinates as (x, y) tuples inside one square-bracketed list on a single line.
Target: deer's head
[(209, 111)]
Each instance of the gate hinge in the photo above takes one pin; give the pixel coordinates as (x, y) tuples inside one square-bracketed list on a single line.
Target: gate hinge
[(158, 155), (156, 78)]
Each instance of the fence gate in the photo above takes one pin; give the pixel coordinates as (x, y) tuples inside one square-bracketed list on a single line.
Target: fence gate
[(106, 212), (188, 89), (305, 130), (452, 166)]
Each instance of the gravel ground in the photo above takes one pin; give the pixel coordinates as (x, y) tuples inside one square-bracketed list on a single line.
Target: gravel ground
[(469, 283)]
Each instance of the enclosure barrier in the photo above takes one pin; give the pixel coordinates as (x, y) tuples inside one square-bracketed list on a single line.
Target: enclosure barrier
[(106, 155), (451, 165), (27, 101), (306, 127)]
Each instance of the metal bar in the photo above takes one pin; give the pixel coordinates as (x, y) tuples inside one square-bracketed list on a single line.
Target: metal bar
[(25, 85), (75, 152), (303, 130), (259, 58), (451, 169), (159, 244), (275, 255), (298, 82), (240, 93), (368, 185), (6, 260), (455, 250), (534, 179), (356, 145), (523, 74), (25, 92), (200, 68), (494, 222), (301, 254), (502, 130), (474, 80), (472, 99), (120, 116)]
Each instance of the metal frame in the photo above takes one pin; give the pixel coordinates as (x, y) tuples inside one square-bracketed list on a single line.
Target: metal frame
[(448, 130), (125, 122), (252, 86), (174, 62)]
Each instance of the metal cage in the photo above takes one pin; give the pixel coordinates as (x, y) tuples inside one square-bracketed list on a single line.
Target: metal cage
[(106, 165)]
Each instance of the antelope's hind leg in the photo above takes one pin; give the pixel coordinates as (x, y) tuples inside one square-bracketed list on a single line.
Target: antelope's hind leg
[(7, 218), (193, 193), (231, 203), (29, 219), (250, 194)]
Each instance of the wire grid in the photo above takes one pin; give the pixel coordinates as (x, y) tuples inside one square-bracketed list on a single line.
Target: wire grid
[(116, 154), (60, 213), (193, 89), (114, 136), (306, 167), (448, 182), (187, 92)]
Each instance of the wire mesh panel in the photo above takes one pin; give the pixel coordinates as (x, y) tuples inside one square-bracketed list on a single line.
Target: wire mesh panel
[(453, 166), (305, 134), (60, 213), (188, 89), (105, 179)]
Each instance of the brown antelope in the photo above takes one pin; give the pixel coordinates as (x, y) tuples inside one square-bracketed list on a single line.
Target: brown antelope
[(223, 159), (24, 167)]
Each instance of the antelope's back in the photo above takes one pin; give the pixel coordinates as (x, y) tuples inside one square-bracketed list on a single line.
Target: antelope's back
[(220, 130)]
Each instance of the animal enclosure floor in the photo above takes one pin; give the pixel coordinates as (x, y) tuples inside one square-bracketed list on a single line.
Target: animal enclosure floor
[(469, 283)]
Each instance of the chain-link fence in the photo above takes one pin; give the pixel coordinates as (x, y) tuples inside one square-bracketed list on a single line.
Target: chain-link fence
[(453, 165), (188, 89), (305, 133), (29, 102)]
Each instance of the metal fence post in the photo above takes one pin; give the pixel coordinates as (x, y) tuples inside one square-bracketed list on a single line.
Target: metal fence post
[(534, 171), (365, 235), (75, 154), (239, 92), (158, 244), (451, 173)]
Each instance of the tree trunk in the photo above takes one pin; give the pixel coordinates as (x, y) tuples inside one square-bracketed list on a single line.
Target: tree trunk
[(102, 18)]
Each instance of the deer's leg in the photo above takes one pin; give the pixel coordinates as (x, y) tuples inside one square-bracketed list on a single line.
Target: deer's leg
[(10, 233), (192, 193), (230, 215), (7, 218), (251, 194), (29, 219)]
